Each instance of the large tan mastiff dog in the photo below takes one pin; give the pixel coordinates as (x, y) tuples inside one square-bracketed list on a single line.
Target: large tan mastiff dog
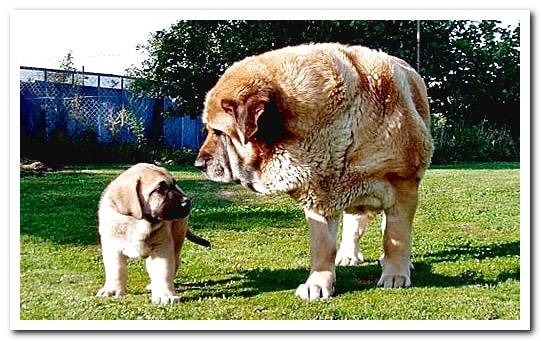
[(344, 130), (143, 213)]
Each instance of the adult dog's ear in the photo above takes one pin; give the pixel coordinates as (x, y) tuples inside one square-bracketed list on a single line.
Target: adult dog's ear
[(245, 114), (124, 196), (257, 118)]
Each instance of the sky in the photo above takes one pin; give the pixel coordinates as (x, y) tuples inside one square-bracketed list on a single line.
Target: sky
[(101, 41)]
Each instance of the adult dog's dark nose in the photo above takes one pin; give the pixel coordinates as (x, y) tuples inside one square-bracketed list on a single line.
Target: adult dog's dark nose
[(201, 163)]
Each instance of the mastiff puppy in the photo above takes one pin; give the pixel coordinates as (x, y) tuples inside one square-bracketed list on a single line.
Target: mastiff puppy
[(143, 213), (344, 130)]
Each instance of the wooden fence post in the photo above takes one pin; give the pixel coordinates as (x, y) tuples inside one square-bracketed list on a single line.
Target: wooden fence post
[(156, 123)]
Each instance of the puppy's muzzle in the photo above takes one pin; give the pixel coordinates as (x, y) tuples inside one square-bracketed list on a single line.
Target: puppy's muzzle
[(185, 206), (179, 210)]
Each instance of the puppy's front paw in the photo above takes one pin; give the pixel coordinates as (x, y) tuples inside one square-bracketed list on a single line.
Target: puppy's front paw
[(348, 257), (111, 292), (136, 249), (395, 274), (163, 294), (165, 299), (319, 286)]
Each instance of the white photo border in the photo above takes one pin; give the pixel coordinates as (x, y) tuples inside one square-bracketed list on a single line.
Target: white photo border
[(525, 277)]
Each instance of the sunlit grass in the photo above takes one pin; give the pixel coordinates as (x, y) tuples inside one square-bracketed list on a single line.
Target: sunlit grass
[(466, 253)]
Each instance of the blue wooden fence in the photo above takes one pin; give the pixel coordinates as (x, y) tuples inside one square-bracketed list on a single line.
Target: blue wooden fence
[(103, 104)]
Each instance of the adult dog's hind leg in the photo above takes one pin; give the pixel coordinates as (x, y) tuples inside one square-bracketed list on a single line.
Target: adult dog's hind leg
[(396, 262), (353, 227)]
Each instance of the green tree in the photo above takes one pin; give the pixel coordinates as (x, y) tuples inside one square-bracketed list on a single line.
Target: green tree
[(471, 68), (66, 64), (186, 59)]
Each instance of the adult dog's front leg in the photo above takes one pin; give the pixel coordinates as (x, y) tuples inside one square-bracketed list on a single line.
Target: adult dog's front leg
[(320, 283)]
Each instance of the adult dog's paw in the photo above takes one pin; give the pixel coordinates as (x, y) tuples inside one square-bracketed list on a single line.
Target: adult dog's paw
[(395, 274), (394, 281), (381, 262), (348, 257), (111, 292), (319, 286)]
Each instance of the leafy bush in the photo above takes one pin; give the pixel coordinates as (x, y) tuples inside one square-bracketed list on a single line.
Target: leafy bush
[(169, 156), (62, 149)]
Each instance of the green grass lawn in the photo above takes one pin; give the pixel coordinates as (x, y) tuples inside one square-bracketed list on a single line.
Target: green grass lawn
[(465, 251)]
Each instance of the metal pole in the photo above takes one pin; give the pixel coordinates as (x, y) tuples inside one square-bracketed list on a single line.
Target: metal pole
[(122, 92), (418, 45)]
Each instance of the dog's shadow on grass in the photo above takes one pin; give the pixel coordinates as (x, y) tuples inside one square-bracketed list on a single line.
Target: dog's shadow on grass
[(249, 283)]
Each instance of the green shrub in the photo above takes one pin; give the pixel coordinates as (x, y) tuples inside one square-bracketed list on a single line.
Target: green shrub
[(62, 149), (460, 142), (171, 156)]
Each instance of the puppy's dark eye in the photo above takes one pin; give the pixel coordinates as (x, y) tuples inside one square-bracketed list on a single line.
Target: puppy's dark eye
[(162, 186), (217, 132)]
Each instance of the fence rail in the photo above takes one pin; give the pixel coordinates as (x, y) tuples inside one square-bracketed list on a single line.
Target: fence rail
[(99, 105)]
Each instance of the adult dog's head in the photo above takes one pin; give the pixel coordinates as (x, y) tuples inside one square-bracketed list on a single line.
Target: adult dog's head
[(148, 192), (244, 124)]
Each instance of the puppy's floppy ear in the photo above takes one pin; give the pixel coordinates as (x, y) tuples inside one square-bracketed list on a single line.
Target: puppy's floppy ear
[(257, 117), (125, 198)]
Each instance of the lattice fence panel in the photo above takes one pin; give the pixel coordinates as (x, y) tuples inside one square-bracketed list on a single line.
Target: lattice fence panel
[(97, 104)]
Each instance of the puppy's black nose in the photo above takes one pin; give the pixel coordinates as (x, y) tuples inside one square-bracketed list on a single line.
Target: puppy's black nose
[(186, 203), (201, 163)]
